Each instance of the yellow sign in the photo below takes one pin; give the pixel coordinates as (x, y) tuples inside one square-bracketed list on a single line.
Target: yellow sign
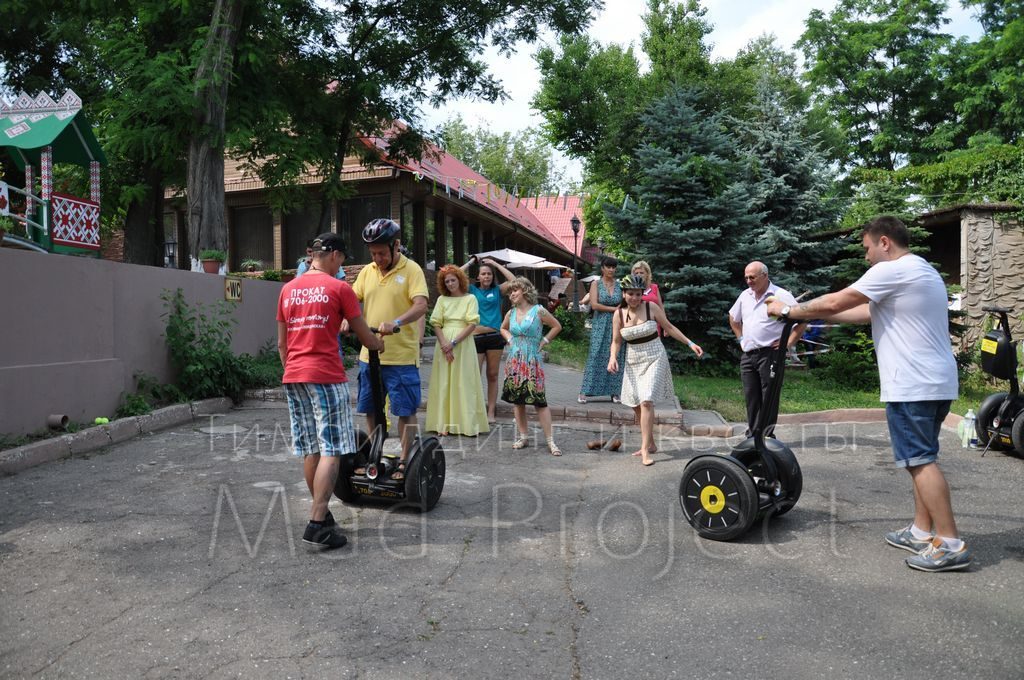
[(233, 288), (988, 346)]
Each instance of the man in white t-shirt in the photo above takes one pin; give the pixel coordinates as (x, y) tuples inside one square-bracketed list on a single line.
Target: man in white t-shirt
[(904, 300), (758, 335)]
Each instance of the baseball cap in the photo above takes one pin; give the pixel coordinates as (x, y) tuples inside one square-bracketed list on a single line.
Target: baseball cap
[(328, 242)]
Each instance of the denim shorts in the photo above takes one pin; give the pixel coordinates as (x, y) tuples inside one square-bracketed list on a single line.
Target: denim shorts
[(914, 428), (321, 419), (401, 384)]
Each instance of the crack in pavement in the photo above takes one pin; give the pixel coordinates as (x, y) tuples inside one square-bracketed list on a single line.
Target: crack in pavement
[(71, 644)]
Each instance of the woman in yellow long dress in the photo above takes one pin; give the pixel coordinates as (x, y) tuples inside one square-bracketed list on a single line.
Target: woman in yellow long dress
[(455, 398)]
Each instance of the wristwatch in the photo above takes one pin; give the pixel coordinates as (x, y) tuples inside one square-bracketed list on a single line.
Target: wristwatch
[(397, 323), (785, 313), (455, 341)]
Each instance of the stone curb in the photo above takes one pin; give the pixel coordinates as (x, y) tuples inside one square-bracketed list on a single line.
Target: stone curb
[(95, 438), (503, 410)]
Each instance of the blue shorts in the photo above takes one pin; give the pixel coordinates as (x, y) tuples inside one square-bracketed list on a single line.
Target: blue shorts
[(321, 418), (914, 428), (401, 384)]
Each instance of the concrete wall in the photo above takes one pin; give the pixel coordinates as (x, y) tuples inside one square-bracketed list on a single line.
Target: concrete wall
[(992, 268), (76, 330)]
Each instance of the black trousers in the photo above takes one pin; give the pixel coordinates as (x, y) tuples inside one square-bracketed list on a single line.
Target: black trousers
[(754, 371)]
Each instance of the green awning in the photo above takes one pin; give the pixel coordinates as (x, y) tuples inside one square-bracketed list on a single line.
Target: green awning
[(28, 125)]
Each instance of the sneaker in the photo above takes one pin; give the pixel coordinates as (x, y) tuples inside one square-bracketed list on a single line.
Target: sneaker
[(328, 520), (905, 539), (323, 536), (940, 558)]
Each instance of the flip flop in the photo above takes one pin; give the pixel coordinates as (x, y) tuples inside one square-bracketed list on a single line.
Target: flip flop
[(649, 463), (399, 474)]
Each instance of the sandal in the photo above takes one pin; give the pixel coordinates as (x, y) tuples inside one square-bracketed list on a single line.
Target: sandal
[(553, 447), (399, 474), (581, 399), (521, 441)]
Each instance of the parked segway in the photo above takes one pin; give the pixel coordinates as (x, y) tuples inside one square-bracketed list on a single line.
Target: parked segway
[(722, 496), (1000, 423), (424, 471)]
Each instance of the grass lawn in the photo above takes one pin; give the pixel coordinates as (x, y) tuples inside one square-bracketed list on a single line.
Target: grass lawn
[(802, 393)]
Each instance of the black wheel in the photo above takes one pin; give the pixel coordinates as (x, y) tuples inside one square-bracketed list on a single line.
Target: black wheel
[(424, 479), (790, 476), (718, 497), (1017, 434), (983, 425), (343, 486)]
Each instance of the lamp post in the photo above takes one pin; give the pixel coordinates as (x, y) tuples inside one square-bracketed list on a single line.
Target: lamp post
[(575, 223), (171, 253)]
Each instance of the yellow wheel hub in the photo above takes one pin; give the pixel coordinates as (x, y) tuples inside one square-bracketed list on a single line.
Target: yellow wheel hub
[(712, 499)]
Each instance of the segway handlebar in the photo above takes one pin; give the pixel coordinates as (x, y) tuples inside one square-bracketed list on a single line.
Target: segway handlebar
[(997, 310)]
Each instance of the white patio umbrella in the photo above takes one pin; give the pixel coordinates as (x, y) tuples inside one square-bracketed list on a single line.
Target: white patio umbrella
[(511, 256)]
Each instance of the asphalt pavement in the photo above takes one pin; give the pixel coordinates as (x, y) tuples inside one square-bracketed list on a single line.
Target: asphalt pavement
[(179, 554)]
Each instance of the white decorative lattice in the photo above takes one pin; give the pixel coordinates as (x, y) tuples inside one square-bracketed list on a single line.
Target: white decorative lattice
[(76, 222), (25, 107)]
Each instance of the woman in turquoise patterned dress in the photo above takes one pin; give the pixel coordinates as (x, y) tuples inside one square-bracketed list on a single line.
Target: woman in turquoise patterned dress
[(605, 297), (523, 329)]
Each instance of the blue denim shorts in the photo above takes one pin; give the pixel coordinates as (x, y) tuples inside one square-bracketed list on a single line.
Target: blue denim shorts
[(321, 419), (914, 428), (401, 385)]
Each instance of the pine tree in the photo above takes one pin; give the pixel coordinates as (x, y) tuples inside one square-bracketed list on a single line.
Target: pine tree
[(694, 211), (794, 183)]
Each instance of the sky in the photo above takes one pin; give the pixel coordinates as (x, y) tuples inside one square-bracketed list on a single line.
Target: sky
[(735, 23)]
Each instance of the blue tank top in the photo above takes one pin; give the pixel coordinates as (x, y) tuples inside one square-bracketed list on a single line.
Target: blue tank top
[(489, 302)]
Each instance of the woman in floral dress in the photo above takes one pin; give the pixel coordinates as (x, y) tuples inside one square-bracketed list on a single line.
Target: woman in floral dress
[(605, 296), (523, 329)]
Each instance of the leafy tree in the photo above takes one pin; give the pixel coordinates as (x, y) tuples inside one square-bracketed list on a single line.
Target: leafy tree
[(523, 159), (694, 194), (870, 63), (591, 97), (393, 56)]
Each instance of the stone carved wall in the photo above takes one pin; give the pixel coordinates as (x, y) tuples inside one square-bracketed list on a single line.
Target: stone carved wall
[(992, 268)]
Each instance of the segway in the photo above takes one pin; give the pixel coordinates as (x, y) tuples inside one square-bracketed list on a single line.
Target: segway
[(424, 470), (1000, 422), (722, 496)]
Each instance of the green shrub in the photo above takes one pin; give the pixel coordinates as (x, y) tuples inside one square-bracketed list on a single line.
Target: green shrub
[(211, 254), (149, 393), (572, 324), (851, 363), (199, 340), (271, 275)]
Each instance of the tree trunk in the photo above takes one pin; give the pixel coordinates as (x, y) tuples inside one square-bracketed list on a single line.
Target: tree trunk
[(206, 224), (143, 224)]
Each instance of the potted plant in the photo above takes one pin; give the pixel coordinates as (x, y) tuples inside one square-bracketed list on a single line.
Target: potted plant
[(251, 265), (212, 260)]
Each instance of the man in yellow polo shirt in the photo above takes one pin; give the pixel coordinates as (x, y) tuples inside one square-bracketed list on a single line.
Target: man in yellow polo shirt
[(394, 293)]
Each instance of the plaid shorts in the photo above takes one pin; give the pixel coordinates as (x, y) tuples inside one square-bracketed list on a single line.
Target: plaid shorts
[(321, 418)]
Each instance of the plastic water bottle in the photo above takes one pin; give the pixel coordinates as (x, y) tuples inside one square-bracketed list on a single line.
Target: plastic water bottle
[(969, 437)]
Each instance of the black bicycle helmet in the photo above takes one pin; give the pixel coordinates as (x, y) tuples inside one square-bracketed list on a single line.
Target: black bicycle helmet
[(381, 230), (632, 282)]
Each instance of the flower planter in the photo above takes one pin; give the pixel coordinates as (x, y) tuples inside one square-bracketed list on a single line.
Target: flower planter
[(211, 266)]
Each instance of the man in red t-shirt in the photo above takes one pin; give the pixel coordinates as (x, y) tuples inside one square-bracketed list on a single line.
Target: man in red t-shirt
[(309, 313)]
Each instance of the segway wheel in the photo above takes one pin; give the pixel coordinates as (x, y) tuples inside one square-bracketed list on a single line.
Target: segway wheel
[(718, 497), (790, 476), (343, 488), (424, 479), (1017, 434), (987, 412)]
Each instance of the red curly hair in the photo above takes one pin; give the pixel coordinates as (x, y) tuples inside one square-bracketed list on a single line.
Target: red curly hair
[(444, 271)]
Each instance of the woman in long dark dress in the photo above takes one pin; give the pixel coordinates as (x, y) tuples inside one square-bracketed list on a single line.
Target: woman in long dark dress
[(605, 296)]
